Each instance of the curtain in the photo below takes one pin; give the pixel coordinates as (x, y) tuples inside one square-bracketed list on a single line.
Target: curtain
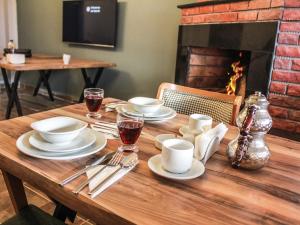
[(8, 22)]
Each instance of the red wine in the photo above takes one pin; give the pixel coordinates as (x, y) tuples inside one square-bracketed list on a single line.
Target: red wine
[(93, 103), (130, 131)]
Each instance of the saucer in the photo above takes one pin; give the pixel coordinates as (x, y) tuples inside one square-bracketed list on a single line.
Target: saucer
[(186, 130), (84, 139), (197, 169)]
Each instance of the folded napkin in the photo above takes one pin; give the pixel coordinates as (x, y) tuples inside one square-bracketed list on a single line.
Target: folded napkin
[(102, 175), (207, 143)]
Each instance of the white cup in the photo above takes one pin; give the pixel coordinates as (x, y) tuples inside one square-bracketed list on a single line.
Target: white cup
[(200, 123), (177, 155), (66, 59)]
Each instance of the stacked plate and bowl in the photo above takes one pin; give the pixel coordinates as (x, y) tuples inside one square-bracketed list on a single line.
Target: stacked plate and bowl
[(151, 109), (60, 138)]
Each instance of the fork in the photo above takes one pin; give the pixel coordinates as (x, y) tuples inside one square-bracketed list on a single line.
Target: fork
[(115, 161), (88, 167), (129, 161)]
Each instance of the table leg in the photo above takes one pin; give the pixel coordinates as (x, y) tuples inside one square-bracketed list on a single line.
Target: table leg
[(6, 82), (16, 191), (88, 82), (14, 98), (38, 85), (44, 78)]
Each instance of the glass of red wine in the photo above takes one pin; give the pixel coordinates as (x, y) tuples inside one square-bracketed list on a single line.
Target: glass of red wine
[(93, 99), (129, 129)]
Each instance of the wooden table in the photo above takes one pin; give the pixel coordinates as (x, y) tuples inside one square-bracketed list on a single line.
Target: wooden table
[(45, 64), (223, 195)]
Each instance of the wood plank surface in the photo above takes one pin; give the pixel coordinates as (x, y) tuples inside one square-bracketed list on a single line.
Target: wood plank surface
[(44, 62), (223, 195)]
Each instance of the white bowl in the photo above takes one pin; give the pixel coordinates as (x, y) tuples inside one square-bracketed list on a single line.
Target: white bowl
[(145, 105), (15, 58), (59, 129)]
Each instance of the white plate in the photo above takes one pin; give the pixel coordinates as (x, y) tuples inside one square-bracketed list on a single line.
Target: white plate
[(24, 146), (161, 112), (85, 138), (151, 119), (197, 169), (186, 130)]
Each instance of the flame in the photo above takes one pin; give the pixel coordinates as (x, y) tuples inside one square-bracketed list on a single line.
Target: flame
[(238, 72)]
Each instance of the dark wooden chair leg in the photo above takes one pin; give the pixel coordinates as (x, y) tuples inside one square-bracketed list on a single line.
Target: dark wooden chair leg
[(62, 212), (16, 191)]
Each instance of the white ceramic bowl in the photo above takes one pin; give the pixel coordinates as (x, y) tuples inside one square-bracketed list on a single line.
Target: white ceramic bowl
[(145, 105), (59, 129), (15, 58)]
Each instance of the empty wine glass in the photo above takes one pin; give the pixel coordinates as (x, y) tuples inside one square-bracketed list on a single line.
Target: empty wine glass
[(93, 98), (129, 129)]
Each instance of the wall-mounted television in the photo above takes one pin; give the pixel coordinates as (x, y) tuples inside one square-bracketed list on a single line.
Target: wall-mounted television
[(90, 22)]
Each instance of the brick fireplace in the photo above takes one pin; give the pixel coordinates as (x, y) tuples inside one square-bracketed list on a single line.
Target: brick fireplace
[(281, 82)]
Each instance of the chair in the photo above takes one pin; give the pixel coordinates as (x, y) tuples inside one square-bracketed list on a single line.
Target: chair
[(186, 100), (31, 215)]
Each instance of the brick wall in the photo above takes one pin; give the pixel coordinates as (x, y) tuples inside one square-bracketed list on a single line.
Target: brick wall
[(284, 93)]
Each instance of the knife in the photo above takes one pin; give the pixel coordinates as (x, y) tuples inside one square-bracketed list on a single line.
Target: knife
[(82, 171)]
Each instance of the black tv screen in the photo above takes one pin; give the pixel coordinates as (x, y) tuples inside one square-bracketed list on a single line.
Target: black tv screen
[(91, 22)]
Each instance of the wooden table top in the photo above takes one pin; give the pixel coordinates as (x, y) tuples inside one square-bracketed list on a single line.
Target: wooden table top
[(223, 195), (48, 62)]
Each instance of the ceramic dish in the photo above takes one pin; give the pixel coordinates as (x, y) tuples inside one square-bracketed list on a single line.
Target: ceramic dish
[(85, 139), (25, 147), (59, 129), (162, 111), (197, 169), (15, 58), (150, 119), (186, 130), (145, 105), (159, 139)]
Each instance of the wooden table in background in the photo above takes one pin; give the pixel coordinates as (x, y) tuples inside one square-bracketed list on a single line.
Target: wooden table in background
[(223, 195), (45, 65)]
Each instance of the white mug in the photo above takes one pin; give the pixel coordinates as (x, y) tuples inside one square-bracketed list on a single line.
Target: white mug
[(199, 122), (177, 155), (66, 59)]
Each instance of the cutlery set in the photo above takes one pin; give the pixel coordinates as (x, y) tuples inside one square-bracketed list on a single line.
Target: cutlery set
[(115, 159), (106, 128)]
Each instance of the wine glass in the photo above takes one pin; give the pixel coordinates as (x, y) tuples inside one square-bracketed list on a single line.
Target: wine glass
[(93, 98), (129, 129)]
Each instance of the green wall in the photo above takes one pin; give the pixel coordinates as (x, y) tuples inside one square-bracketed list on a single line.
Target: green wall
[(145, 53)]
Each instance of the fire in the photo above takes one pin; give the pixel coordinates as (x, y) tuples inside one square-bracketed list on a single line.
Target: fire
[(238, 72)]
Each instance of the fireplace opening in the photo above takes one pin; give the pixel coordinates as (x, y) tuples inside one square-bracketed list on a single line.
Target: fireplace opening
[(226, 58), (218, 70)]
